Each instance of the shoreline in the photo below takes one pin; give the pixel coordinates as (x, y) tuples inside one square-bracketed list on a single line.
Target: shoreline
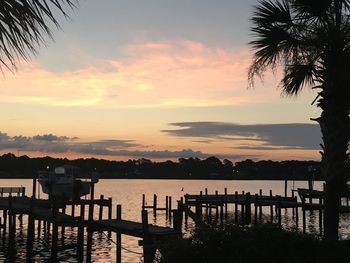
[(178, 178)]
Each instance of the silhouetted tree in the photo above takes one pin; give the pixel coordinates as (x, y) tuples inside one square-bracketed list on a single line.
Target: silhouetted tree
[(23, 25), (311, 41)]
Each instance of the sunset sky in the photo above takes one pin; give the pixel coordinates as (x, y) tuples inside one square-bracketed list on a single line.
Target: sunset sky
[(157, 79)]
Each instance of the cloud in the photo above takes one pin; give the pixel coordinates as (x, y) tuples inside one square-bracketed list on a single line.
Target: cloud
[(50, 143), (50, 138), (152, 74), (255, 136)]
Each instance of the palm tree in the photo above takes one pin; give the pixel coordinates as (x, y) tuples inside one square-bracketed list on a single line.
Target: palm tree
[(310, 41), (23, 24)]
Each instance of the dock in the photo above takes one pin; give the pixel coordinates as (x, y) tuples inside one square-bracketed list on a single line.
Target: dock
[(49, 215)]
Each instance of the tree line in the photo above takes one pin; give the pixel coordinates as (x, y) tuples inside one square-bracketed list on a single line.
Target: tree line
[(12, 166)]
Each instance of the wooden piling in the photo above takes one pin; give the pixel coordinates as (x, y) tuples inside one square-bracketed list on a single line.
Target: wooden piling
[(34, 187), (271, 209), (63, 228), (12, 228), (236, 206), (279, 211), (178, 215), (225, 193), (80, 239), (100, 211), (143, 201), (147, 250), (285, 188), (248, 212), (110, 210), (256, 209), (119, 236), (221, 211), (5, 214), (320, 217), (260, 207), (54, 233), (167, 206), (90, 230), (154, 205)]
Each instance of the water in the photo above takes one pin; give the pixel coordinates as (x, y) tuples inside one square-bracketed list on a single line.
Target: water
[(128, 193)]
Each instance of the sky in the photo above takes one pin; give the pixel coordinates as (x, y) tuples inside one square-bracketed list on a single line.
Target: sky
[(155, 79)]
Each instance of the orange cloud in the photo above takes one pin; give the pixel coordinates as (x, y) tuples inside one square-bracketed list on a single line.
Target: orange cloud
[(167, 74)]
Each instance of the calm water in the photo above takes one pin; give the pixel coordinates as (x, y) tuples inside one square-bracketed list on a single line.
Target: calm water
[(129, 194)]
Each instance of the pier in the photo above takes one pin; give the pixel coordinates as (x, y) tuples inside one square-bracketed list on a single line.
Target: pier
[(86, 216), (52, 215)]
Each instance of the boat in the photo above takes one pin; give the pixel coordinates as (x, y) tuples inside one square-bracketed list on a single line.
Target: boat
[(64, 183)]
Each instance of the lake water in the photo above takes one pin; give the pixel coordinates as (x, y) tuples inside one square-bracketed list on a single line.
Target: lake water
[(128, 193)]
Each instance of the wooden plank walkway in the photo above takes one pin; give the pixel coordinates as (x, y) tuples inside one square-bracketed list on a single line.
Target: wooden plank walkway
[(261, 200), (131, 228)]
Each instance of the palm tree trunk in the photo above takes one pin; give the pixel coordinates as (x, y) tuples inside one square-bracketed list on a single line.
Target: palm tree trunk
[(335, 127)]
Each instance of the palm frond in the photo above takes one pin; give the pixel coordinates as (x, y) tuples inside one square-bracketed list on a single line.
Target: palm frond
[(269, 12), (297, 76), (312, 9), (24, 24)]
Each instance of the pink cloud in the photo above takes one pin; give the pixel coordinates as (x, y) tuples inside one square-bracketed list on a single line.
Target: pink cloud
[(166, 74)]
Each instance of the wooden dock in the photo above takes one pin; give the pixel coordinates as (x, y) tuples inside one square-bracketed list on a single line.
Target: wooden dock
[(248, 208), (51, 215)]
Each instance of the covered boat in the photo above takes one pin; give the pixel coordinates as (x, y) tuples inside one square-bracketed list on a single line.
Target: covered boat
[(63, 182)]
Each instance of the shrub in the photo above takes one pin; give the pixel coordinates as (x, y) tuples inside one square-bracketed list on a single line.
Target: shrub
[(244, 244)]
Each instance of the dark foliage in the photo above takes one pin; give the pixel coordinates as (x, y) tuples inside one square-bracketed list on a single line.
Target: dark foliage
[(238, 244)]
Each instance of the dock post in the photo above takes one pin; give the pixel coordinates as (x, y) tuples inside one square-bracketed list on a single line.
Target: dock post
[(271, 208), (225, 192), (170, 208), (100, 211), (222, 212), (243, 207), (236, 207), (80, 240), (154, 205), (304, 216), (54, 233), (63, 228), (143, 201), (119, 237), (321, 216), (260, 207), (39, 228), (166, 206), (206, 205), (256, 210), (147, 249), (34, 187), (12, 228), (248, 210), (30, 230), (5, 214), (198, 208), (185, 212), (110, 210), (178, 219), (217, 205), (297, 216), (89, 228), (279, 211), (296, 200), (73, 210), (285, 188), (310, 184)]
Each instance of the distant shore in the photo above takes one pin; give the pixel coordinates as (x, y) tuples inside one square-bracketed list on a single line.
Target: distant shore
[(136, 177)]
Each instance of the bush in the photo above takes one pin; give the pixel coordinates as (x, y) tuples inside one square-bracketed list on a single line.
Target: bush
[(243, 244)]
